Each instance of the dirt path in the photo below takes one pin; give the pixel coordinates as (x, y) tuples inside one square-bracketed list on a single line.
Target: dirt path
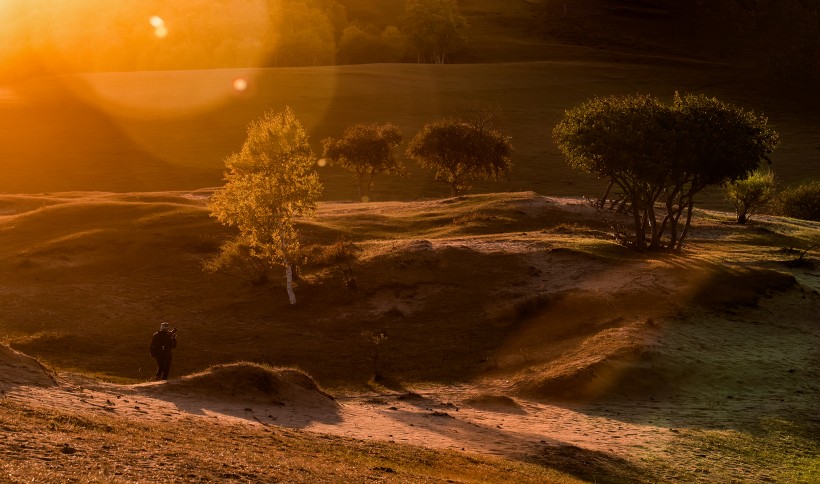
[(457, 418)]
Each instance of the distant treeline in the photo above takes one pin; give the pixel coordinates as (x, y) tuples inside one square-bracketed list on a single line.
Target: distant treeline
[(787, 32), (90, 35), (784, 34)]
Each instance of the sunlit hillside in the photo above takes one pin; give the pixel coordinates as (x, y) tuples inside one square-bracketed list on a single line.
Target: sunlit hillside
[(505, 324)]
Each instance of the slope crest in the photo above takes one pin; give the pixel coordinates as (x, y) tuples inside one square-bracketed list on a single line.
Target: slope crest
[(245, 381), (18, 369)]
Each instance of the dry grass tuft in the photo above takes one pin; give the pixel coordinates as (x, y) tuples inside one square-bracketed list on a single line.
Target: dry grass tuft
[(333, 254)]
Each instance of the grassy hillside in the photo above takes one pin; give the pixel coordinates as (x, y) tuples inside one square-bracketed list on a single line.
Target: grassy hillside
[(172, 130), (90, 276), (514, 295)]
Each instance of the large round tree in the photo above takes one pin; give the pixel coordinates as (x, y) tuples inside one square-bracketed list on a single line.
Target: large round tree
[(660, 156), (367, 150), (460, 152), (270, 182)]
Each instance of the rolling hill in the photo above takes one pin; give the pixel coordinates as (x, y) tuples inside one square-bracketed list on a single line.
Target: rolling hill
[(514, 308)]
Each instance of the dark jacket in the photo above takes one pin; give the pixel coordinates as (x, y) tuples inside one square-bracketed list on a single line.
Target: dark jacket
[(163, 342)]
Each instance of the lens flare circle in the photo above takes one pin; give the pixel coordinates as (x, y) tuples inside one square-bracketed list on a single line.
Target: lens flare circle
[(240, 84)]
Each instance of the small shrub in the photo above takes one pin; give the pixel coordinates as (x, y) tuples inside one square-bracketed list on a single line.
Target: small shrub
[(751, 194), (376, 339), (802, 201), (235, 258), (349, 277), (328, 255)]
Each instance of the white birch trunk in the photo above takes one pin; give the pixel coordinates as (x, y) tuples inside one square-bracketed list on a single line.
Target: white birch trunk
[(289, 277)]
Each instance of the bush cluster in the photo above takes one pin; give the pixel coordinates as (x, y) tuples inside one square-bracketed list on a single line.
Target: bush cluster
[(801, 201)]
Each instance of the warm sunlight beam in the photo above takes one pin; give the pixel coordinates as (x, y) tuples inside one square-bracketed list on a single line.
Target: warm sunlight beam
[(225, 40), (154, 61)]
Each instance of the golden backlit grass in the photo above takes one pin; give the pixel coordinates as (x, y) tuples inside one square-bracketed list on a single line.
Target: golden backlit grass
[(59, 446), (781, 452)]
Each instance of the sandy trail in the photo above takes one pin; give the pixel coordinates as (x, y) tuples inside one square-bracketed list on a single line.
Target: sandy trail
[(441, 418), (463, 418)]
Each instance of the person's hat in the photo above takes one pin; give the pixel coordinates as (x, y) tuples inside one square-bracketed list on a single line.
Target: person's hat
[(164, 325)]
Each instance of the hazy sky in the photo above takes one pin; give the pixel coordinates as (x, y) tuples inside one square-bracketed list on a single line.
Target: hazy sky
[(96, 35)]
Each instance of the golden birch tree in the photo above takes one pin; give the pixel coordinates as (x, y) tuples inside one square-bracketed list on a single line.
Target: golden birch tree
[(270, 183)]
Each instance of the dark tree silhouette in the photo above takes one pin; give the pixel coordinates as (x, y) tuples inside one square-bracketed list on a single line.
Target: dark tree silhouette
[(663, 155)]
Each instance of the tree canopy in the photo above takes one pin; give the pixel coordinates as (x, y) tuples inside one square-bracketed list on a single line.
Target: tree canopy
[(270, 182), (367, 151), (359, 45), (659, 154), (461, 151), (436, 28)]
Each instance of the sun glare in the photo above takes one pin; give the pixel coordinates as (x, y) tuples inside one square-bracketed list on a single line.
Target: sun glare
[(160, 30)]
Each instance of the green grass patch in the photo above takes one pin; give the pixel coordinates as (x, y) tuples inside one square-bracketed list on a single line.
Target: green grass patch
[(782, 451)]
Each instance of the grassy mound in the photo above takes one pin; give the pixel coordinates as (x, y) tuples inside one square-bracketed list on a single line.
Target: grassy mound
[(249, 382), (19, 369)]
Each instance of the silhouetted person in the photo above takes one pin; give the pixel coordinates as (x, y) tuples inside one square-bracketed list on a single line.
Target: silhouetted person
[(162, 343)]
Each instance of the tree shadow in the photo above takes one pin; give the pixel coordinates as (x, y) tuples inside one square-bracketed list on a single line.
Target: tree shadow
[(590, 465), (263, 411)]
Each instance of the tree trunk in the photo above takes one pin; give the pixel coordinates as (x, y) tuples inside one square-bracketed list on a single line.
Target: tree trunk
[(360, 184), (368, 186), (602, 201), (741, 216), (690, 209), (640, 229), (651, 219), (289, 278)]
